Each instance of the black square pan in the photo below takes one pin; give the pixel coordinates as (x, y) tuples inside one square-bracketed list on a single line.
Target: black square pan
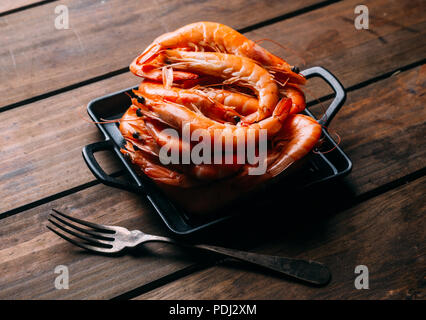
[(318, 168)]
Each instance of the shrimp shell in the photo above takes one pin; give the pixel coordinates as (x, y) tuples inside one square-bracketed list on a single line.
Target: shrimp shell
[(233, 69), (194, 99), (177, 116), (212, 36)]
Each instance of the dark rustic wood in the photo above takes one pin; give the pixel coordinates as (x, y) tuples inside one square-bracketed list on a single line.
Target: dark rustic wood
[(29, 252), (82, 52), (60, 119), (382, 127), (104, 36), (327, 37), (42, 142), (12, 5), (386, 233), (382, 130), (20, 232)]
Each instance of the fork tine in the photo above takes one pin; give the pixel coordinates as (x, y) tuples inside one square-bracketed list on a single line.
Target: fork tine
[(86, 223), (81, 236), (86, 231), (80, 244)]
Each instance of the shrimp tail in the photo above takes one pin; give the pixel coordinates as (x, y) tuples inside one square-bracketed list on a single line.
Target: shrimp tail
[(299, 135), (148, 54), (282, 109)]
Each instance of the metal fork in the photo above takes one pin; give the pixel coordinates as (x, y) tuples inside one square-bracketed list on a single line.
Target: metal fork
[(112, 239)]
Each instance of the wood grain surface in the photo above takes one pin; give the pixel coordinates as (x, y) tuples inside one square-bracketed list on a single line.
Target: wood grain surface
[(103, 36), (65, 57), (382, 129), (360, 124), (386, 234), (29, 252), (12, 5), (34, 161), (373, 217)]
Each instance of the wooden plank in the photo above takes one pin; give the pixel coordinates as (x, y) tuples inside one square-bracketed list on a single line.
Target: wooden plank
[(327, 37), (386, 234), (42, 142), (33, 160), (29, 252), (384, 140), (9, 5), (103, 36)]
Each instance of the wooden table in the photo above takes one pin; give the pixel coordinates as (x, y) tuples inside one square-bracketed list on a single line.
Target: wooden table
[(373, 217)]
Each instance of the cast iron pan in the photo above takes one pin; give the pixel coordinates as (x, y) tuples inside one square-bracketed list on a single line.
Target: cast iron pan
[(319, 167)]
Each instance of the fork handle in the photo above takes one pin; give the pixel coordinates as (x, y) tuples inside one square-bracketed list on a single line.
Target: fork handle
[(309, 271)]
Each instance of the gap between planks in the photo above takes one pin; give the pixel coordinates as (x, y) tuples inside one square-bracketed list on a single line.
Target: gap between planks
[(22, 5), (410, 178), (370, 194), (312, 103), (385, 233), (126, 69), (398, 181)]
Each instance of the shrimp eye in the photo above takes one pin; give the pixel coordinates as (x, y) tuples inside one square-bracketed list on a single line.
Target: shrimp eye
[(135, 135), (135, 147), (295, 69), (237, 119), (141, 100), (139, 113)]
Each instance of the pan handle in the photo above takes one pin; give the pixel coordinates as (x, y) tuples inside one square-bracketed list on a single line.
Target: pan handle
[(98, 172), (339, 90)]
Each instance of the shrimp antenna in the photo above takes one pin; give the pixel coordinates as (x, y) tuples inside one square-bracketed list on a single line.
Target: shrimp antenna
[(104, 121), (283, 47), (323, 108), (324, 114), (339, 139)]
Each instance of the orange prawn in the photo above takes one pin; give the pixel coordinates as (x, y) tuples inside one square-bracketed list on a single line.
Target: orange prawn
[(297, 97), (145, 137), (235, 70), (177, 116), (242, 103), (245, 104), (260, 91), (193, 99), (212, 36), (299, 135)]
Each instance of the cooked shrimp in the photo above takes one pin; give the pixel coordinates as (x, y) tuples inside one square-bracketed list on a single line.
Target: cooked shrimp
[(212, 36), (297, 97), (245, 104), (242, 103), (298, 136), (183, 176), (133, 129), (178, 116), (145, 137), (154, 71), (155, 170), (192, 99), (259, 93), (234, 69)]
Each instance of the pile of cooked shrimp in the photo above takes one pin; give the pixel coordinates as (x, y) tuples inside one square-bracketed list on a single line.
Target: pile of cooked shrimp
[(211, 77)]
